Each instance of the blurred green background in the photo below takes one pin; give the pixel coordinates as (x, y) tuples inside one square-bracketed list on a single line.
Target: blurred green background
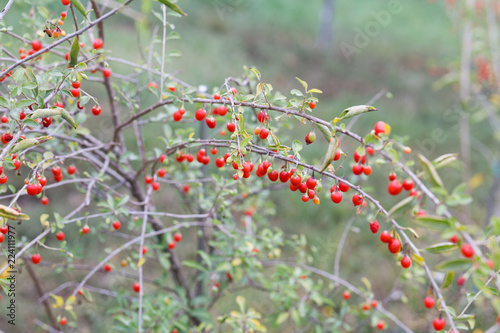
[(280, 38)]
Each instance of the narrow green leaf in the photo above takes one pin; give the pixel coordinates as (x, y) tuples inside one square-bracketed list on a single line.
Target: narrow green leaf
[(433, 222), (441, 248), (78, 5), (454, 265), (172, 6), (42, 113), (448, 278), (354, 111), (193, 264), (73, 53), (430, 171), (401, 206), (28, 143)]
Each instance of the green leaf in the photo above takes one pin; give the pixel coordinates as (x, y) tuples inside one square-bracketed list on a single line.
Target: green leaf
[(172, 6), (193, 264), (296, 92), (5, 103), (29, 85), (28, 143), (42, 113), (354, 111), (325, 131), (401, 206), (454, 265), (444, 160), (256, 73), (296, 146), (11, 213), (78, 5), (282, 317), (433, 222), (330, 153), (246, 141), (430, 171), (66, 116), (441, 248), (304, 83), (30, 122), (448, 278), (73, 53), (24, 103), (314, 90)]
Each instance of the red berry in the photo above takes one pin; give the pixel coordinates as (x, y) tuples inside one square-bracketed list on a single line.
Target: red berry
[(356, 156), (370, 150), (36, 258), (336, 197), (31, 189), (85, 229), (211, 123), (42, 180), (200, 114), (222, 110), (106, 73), (107, 268), (394, 246), (46, 121), (231, 127), (185, 188), (408, 184), (117, 225), (4, 229), (65, 2), (172, 89), (357, 169), (96, 110), (381, 325), (357, 200), (98, 43), (156, 186), (337, 155), (392, 176), (379, 127), (45, 201), (22, 115), (367, 170), (296, 180), (217, 96), (262, 117), (385, 236), (137, 287), (438, 323), (394, 187), (284, 176), (161, 172), (406, 262), (177, 237), (17, 164), (374, 304), (467, 251), (152, 85), (346, 295), (60, 236), (312, 104), (374, 226), (148, 179), (311, 183), (71, 169), (76, 84), (273, 176), (305, 198), (366, 307), (144, 250), (429, 302), (171, 245), (343, 187), (460, 281), (36, 45), (63, 321), (264, 133), (4, 119), (454, 239)]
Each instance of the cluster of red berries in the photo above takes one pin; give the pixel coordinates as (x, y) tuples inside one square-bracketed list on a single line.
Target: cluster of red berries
[(35, 47), (366, 307), (395, 186), (358, 168), (5, 76)]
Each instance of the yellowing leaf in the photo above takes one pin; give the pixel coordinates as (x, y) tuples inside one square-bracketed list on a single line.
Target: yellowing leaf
[(141, 262), (476, 181), (236, 262)]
